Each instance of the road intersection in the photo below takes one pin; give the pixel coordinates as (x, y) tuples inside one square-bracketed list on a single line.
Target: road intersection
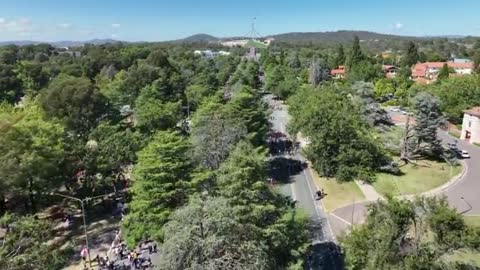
[(462, 194)]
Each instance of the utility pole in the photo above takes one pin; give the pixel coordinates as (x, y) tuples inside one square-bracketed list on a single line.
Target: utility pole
[(469, 206), (353, 210), (82, 201)]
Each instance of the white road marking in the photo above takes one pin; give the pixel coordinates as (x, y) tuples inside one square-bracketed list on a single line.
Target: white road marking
[(292, 187), (341, 219)]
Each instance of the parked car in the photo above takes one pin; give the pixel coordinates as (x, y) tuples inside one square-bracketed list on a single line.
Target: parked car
[(394, 109), (452, 146), (463, 153)]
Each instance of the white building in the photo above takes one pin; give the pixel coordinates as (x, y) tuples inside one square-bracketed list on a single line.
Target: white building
[(235, 43), (210, 53), (471, 125)]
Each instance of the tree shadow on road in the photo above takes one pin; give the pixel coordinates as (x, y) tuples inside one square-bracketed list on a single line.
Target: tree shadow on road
[(325, 256), (281, 169)]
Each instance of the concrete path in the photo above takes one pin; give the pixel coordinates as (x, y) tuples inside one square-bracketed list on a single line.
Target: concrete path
[(368, 191)]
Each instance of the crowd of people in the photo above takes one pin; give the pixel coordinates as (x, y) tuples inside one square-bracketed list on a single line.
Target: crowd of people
[(120, 257)]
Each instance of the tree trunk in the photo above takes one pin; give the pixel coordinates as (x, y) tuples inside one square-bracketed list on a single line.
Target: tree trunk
[(31, 196), (3, 207)]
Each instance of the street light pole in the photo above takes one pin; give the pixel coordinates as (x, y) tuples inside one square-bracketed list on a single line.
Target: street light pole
[(469, 206), (84, 222), (83, 217), (85, 232)]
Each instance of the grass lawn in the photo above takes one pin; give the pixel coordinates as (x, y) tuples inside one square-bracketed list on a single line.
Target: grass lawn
[(465, 256), (454, 133), (473, 221), (415, 179), (338, 194), (256, 44)]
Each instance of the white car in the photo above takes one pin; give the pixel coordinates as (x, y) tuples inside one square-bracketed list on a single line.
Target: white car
[(394, 109), (463, 154)]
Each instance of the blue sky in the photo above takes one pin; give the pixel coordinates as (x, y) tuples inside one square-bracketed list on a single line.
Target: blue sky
[(149, 20)]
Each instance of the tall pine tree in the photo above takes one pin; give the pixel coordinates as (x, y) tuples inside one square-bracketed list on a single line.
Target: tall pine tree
[(160, 184), (340, 58), (444, 72), (411, 55), (356, 54)]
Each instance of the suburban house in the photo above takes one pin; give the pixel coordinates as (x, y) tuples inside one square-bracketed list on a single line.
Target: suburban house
[(390, 71), (338, 73), (428, 72), (471, 125)]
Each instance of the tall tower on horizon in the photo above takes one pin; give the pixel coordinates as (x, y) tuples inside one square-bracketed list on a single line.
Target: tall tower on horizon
[(253, 33)]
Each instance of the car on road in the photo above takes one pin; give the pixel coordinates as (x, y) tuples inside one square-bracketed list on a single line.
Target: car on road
[(452, 146), (463, 153)]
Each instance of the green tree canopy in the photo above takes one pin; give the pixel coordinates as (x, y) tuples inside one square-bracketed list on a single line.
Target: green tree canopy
[(411, 55), (399, 234), (160, 184), (32, 149), (152, 113), (341, 142), (356, 54), (214, 135), (76, 101), (205, 235), (444, 72), (24, 244)]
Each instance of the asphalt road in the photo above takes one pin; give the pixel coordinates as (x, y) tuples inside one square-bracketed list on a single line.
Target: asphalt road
[(464, 194), (296, 181)]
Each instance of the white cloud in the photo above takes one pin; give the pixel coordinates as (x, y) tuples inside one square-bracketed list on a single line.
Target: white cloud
[(19, 26), (65, 25), (398, 26), (116, 25), (114, 36)]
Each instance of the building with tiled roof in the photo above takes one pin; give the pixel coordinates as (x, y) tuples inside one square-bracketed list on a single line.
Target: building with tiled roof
[(338, 73), (429, 71)]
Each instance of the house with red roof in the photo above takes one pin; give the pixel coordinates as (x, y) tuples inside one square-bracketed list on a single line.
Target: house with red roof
[(428, 72), (338, 73)]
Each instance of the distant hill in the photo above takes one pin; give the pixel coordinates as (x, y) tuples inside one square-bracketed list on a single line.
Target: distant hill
[(200, 38), (301, 37), (338, 36), (68, 43), (65, 43)]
